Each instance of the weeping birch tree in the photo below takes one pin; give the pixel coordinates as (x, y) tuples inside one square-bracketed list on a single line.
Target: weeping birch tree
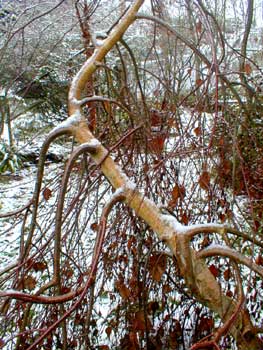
[(150, 235)]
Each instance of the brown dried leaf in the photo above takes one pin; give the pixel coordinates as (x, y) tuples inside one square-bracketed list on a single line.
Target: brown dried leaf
[(107, 106), (164, 104), (2, 343), (178, 192), (185, 218), (227, 274), (39, 266), (156, 144), (229, 293), (259, 260), (198, 131), (157, 266), (152, 307), (47, 193), (167, 288), (222, 217), (122, 289), (65, 290), (199, 82), (94, 226), (140, 323), (204, 180), (206, 324), (214, 270), (155, 118), (205, 242), (30, 283), (108, 331), (225, 167), (68, 272), (129, 342), (133, 341), (248, 69), (198, 27)]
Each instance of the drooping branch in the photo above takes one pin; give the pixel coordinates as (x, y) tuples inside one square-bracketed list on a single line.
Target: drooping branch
[(64, 129), (93, 269), (118, 196), (88, 147)]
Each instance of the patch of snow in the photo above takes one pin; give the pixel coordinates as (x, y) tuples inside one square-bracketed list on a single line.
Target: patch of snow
[(74, 119), (128, 184), (175, 225), (216, 246), (5, 134), (118, 192), (93, 143)]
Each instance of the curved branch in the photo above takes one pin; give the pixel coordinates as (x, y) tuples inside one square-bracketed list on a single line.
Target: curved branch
[(96, 98), (42, 299), (97, 250), (90, 147), (57, 132), (18, 211), (191, 231), (225, 251)]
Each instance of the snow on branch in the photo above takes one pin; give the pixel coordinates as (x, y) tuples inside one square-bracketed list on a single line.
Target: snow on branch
[(71, 121)]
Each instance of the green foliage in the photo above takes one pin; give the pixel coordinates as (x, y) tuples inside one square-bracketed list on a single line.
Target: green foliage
[(9, 160)]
